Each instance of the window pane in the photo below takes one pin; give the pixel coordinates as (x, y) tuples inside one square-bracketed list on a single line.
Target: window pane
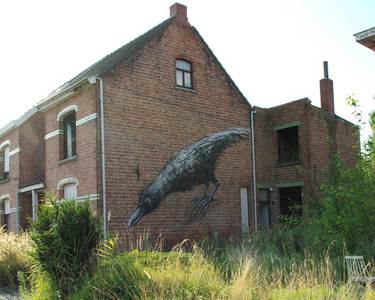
[(180, 64), (6, 206), (187, 79), (6, 159), (179, 80), (70, 191), (69, 136)]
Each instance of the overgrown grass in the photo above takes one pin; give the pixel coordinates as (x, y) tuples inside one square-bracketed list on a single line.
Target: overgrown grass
[(13, 257), (214, 270)]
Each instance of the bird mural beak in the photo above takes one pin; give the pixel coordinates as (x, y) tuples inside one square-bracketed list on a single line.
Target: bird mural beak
[(135, 217)]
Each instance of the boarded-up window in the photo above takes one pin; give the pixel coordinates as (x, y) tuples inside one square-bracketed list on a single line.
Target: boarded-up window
[(264, 208), (70, 191), (6, 214)]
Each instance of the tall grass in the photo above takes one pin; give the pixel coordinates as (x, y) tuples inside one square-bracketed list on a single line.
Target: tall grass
[(14, 257)]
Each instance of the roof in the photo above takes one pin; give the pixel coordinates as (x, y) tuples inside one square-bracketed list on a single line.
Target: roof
[(110, 61), (366, 38), (16, 123)]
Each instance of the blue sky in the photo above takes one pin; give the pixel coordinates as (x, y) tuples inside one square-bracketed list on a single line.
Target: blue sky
[(272, 49)]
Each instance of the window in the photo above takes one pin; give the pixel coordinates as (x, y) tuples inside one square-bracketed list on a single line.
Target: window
[(6, 160), (70, 191), (287, 140), (264, 208), (69, 136), (6, 214), (291, 201), (183, 74)]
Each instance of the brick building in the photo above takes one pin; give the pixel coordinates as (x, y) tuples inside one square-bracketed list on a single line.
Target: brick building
[(366, 38), (108, 133)]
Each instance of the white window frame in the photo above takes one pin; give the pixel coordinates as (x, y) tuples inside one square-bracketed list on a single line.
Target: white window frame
[(65, 111)]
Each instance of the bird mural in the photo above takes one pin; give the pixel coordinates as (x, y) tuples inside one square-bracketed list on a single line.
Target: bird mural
[(192, 165)]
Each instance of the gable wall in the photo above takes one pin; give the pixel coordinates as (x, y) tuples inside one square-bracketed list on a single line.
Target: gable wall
[(148, 119)]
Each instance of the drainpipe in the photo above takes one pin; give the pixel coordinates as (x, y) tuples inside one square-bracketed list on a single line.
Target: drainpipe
[(253, 112), (92, 80)]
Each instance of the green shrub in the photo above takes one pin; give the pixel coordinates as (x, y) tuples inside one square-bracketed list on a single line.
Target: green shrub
[(13, 257), (345, 220), (65, 237)]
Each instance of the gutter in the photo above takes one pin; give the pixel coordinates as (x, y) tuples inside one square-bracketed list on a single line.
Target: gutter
[(92, 80), (63, 93), (253, 112)]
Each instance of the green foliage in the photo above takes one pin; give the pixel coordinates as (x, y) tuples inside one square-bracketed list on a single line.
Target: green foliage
[(346, 218), (13, 257), (65, 237), (116, 277)]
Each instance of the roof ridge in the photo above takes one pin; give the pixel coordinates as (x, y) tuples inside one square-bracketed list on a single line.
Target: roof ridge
[(230, 81), (124, 52)]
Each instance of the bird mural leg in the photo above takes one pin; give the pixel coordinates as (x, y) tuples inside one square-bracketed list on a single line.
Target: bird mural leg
[(202, 203)]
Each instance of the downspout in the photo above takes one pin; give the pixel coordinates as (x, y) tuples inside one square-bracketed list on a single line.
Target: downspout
[(92, 80), (253, 112)]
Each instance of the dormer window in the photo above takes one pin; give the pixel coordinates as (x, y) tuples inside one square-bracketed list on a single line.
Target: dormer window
[(183, 74)]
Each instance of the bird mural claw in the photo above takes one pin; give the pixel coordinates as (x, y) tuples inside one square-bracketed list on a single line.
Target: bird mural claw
[(201, 204)]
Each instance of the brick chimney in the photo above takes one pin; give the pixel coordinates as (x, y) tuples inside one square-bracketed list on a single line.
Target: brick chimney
[(326, 91), (180, 11)]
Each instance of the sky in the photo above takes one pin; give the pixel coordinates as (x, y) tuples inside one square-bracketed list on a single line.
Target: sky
[(273, 50)]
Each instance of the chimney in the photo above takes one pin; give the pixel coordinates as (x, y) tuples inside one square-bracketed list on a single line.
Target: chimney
[(326, 91), (180, 11)]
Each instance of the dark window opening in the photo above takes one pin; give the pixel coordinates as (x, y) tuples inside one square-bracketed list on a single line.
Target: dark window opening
[(291, 202), (288, 148), (264, 208), (184, 74), (69, 136)]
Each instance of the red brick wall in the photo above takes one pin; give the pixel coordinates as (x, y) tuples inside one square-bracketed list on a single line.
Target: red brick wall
[(10, 186), (84, 166), (317, 130), (148, 119), (31, 137)]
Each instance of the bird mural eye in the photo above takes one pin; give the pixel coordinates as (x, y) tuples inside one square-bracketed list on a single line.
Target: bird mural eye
[(193, 165)]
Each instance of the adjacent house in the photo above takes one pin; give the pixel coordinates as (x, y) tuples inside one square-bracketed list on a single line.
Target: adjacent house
[(366, 38), (151, 126)]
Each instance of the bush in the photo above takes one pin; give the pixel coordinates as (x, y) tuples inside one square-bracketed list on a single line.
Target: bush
[(13, 257), (65, 237), (345, 220)]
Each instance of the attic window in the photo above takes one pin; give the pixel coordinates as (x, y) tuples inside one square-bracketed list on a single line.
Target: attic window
[(183, 74), (288, 149)]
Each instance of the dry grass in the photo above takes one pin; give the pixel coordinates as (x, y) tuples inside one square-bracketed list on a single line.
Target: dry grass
[(14, 257)]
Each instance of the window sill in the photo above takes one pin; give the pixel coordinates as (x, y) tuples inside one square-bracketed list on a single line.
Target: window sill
[(4, 180), (289, 164), (191, 90), (66, 160)]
